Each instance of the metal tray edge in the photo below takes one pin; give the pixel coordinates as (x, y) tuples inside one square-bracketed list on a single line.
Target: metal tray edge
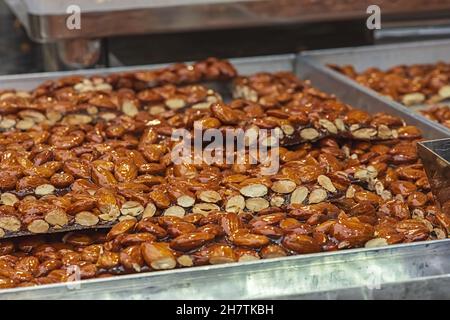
[(56, 74), (402, 249), (380, 47)]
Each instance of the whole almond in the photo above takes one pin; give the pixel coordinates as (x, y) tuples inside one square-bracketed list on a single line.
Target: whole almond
[(350, 193), (248, 257), (175, 103), (326, 183), (384, 132), (317, 196), (8, 199), (175, 211), (299, 195), (210, 196), (256, 204), (365, 133), (185, 261), (38, 226), (327, 124), (235, 204), (57, 217), (205, 208), (120, 228), (33, 115), (185, 201), (77, 119), (309, 134), (202, 105), (127, 218), (7, 123), (254, 190), (375, 243), (132, 208), (129, 108), (288, 129), (276, 201), (155, 110), (414, 98), (158, 256), (149, 210), (444, 92), (440, 234), (283, 186), (44, 189), (112, 216), (10, 223), (340, 125), (108, 116), (224, 113), (25, 124), (86, 218)]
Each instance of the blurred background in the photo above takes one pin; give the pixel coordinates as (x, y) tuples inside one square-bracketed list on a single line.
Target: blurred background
[(34, 36)]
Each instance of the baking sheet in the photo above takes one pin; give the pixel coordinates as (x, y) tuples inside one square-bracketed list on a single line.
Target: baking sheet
[(382, 57), (357, 272)]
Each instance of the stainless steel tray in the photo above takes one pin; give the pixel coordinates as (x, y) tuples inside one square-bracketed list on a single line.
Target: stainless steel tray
[(314, 64), (321, 77), (435, 155), (357, 273), (244, 65)]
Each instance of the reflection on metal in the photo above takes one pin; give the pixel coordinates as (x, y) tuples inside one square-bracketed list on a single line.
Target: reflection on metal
[(79, 53), (72, 54), (435, 155), (406, 33)]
